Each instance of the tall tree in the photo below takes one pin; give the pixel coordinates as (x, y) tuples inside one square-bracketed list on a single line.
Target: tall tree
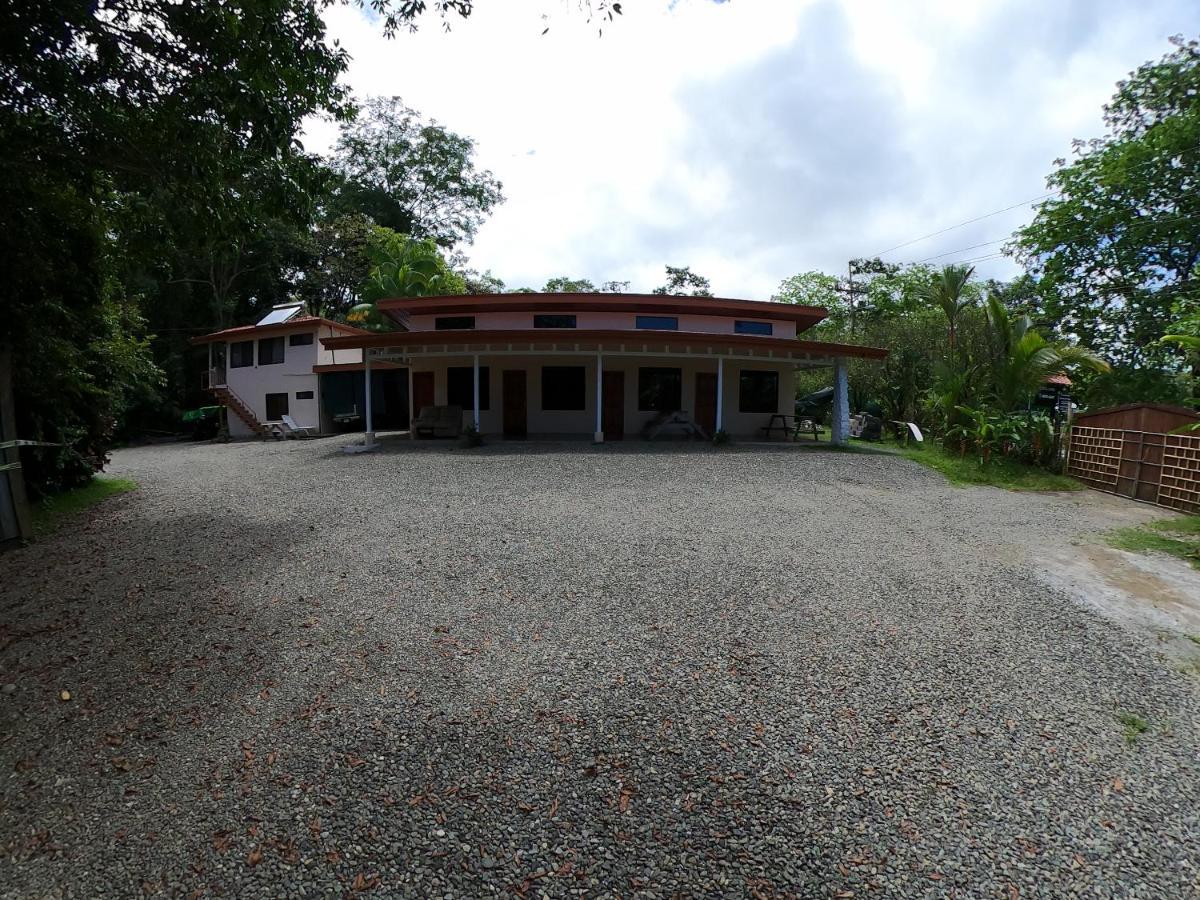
[(946, 291), (683, 282), (412, 176), (1119, 245), (564, 285)]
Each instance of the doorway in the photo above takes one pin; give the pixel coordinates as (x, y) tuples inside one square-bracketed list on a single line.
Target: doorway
[(612, 416), (422, 387), (706, 401), (516, 416)]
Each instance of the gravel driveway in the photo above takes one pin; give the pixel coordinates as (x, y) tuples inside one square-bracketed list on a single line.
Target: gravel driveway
[(569, 670)]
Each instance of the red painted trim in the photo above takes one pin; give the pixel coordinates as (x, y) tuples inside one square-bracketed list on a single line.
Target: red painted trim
[(575, 336), (249, 332), (354, 367), (569, 303)]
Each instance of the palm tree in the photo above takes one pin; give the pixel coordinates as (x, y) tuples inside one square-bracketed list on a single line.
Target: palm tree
[(945, 291), (1023, 358)]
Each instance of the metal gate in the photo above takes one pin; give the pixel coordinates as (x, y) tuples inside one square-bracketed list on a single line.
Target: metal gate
[(1150, 466)]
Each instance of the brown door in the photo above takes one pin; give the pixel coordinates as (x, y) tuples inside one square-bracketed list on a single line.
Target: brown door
[(612, 417), (516, 423), (706, 401), (422, 391)]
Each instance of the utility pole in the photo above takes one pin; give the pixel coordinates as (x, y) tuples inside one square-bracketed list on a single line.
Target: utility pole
[(852, 291)]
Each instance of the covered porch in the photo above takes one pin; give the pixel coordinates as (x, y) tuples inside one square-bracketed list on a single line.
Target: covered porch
[(606, 387)]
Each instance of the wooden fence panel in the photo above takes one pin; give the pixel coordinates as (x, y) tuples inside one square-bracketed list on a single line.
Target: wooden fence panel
[(1180, 486), (1095, 456), (1142, 465)]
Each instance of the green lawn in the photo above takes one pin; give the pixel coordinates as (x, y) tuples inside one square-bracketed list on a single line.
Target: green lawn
[(1179, 537), (1004, 473), (52, 511)]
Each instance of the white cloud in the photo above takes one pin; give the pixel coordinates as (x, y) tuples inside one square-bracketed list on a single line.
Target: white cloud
[(755, 140)]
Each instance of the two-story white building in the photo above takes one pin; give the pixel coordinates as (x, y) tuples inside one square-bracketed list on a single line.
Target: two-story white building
[(602, 365), (279, 366)]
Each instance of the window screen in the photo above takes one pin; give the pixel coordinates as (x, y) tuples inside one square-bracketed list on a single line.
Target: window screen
[(241, 354), (277, 407), (451, 323), (741, 327), (270, 351), (300, 340), (659, 390), (659, 323), (460, 387), (563, 388), (758, 392), (553, 321)]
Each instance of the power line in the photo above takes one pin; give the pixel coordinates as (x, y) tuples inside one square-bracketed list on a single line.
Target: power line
[(962, 249), (926, 237)]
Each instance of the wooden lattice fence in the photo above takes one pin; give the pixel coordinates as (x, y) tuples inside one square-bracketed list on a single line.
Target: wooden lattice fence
[(1144, 465)]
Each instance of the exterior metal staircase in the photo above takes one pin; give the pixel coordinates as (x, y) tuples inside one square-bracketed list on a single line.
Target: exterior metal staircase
[(232, 401)]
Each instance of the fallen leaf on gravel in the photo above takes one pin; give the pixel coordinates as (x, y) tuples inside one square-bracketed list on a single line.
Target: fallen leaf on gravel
[(1118, 785), (221, 841), (255, 856), (554, 808), (365, 882)]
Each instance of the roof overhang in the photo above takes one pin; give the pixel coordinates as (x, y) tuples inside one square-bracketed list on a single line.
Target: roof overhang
[(402, 346), (292, 326), (400, 308)]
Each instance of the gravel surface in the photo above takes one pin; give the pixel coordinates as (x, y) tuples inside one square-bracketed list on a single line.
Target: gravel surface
[(566, 670)]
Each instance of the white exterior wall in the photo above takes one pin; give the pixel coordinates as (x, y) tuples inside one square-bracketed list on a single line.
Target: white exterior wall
[(574, 422), (295, 373), (615, 321), (327, 357)]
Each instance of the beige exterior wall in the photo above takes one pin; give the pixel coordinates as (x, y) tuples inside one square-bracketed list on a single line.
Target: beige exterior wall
[(615, 321), (553, 422)]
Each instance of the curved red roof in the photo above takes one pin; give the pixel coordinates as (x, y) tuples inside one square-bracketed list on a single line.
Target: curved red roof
[(804, 316)]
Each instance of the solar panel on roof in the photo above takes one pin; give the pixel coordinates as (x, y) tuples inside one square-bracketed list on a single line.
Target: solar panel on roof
[(279, 314)]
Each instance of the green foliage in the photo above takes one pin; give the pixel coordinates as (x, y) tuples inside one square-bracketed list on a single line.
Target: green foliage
[(683, 282), (947, 291), (415, 177), (1133, 726), (1022, 358), (336, 263), (1178, 537), (401, 267), (54, 511), (1005, 473), (1128, 384), (564, 285), (1118, 247)]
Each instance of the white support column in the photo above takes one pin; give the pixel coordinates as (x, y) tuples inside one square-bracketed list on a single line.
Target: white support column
[(370, 434), (412, 413), (598, 437), (839, 429), (475, 372), (720, 393)]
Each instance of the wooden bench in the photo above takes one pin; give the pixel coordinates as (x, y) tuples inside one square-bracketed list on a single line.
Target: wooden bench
[(438, 421)]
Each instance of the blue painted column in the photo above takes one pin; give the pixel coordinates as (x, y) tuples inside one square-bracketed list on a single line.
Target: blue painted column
[(839, 431)]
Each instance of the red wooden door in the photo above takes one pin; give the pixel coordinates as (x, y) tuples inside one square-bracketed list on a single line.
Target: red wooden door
[(706, 401), (516, 419), (422, 391), (612, 416)]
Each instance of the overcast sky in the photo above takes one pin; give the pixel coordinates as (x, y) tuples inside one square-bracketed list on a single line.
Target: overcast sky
[(755, 139)]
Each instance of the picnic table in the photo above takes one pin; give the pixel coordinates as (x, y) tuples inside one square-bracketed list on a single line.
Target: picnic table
[(791, 425)]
